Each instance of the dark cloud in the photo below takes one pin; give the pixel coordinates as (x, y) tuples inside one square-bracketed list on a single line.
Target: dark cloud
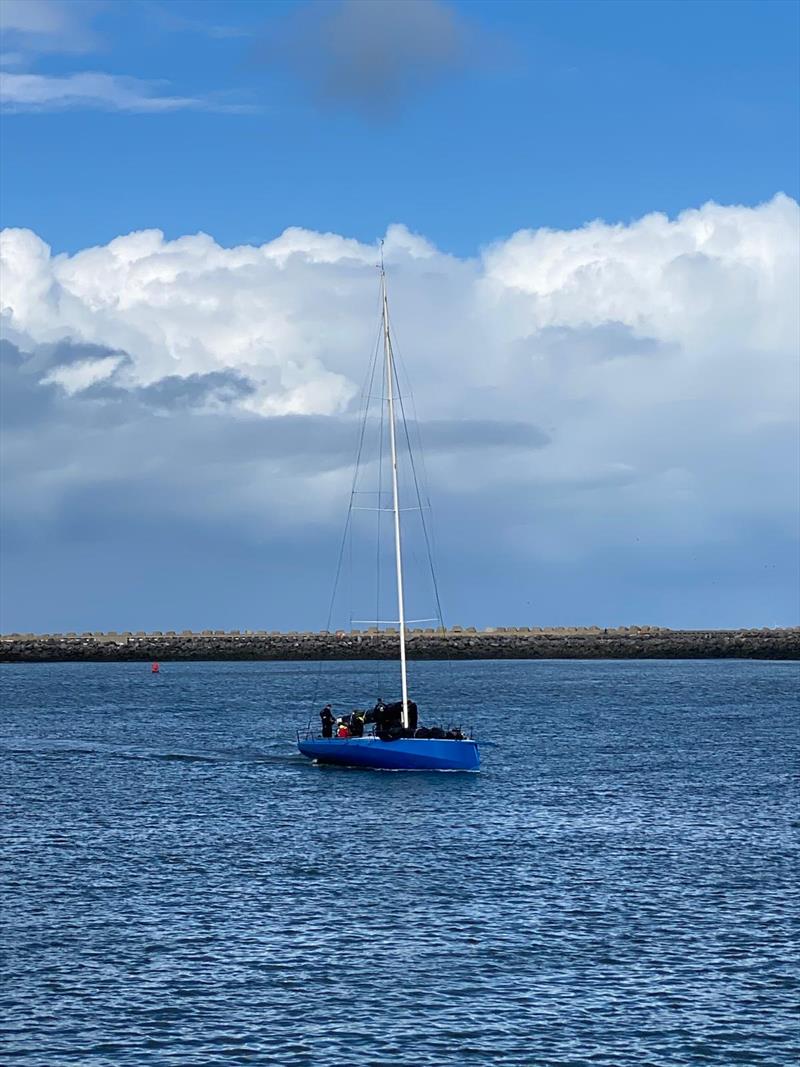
[(188, 434), (65, 353), (142, 505), (139, 508), (23, 400), (457, 434), (590, 344), (370, 56), (174, 393), (27, 398)]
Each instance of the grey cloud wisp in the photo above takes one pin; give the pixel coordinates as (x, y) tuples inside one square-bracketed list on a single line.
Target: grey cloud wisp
[(35, 29), (369, 57)]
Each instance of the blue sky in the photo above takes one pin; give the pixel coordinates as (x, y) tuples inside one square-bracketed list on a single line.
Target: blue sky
[(556, 113), (613, 405)]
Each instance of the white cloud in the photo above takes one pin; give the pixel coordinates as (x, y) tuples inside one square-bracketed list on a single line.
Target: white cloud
[(174, 20), (49, 25), (76, 377), (33, 29), (659, 358), (94, 89)]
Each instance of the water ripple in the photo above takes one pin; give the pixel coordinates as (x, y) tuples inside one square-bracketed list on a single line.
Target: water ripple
[(614, 888)]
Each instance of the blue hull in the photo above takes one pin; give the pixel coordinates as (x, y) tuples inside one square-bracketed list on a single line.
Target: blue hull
[(405, 754)]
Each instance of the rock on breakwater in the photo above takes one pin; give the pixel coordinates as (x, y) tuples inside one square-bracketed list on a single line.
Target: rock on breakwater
[(635, 642)]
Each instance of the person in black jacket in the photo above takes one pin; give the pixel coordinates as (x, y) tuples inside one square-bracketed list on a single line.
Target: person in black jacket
[(413, 717), (326, 715)]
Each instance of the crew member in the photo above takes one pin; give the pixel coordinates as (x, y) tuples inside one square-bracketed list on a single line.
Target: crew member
[(327, 721), (413, 717)]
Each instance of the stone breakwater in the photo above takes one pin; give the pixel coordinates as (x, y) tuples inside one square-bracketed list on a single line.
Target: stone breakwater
[(634, 642)]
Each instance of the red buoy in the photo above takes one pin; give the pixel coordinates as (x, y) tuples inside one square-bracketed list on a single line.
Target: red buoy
[(155, 668)]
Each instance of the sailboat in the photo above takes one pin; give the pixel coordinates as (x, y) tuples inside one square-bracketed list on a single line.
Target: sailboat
[(399, 744)]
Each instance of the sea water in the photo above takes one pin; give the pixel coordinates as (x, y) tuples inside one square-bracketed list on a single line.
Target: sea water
[(616, 886)]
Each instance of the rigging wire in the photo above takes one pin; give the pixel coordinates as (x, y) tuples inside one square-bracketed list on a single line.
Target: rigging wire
[(429, 535), (379, 502), (420, 449), (419, 501), (366, 395)]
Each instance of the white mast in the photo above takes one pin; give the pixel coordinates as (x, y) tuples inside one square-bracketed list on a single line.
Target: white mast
[(387, 349)]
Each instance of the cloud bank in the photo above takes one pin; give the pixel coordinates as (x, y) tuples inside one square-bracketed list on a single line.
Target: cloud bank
[(617, 399)]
